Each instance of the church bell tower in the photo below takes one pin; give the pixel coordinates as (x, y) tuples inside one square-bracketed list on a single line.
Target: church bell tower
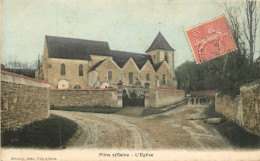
[(160, 50)]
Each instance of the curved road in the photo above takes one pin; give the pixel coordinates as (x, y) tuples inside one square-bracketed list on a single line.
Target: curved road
[(171, 129)]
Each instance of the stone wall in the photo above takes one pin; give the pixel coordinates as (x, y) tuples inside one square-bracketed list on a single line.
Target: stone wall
[(157, 98), (250, 95), (130, 66), (227, 106), (23, 100), (84, 97), (148, 69), (244, 109), (71, 72)]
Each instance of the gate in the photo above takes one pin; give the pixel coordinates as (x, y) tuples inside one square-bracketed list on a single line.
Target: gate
[(133, 97)]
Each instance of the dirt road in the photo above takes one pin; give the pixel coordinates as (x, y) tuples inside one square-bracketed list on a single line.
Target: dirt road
[(172, 129)]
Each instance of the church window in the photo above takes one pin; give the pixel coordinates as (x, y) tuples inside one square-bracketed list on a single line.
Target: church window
[(164, 79), (147, 77), (62, 69), (166, 57), (130, 78), (157, 81), (80, 70), (109, 75)]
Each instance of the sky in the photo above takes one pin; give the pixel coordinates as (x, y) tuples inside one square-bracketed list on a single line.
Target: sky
[(125, 25)]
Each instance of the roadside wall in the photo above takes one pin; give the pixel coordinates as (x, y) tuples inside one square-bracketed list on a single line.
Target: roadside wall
[(23, 100), (159, 97), (228, 106), (250, 95), (84, 97), (244, 109)]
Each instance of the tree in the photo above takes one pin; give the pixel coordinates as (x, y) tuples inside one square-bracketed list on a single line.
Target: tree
[(243, 25), (250, 26), (228, 72), (235, 25)]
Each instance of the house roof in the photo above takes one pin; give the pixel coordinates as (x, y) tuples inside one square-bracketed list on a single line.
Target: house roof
[(70, 48), (121, 57), (160, 43)]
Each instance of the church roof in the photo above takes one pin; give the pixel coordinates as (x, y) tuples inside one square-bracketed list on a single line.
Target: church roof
[(121, 57), (97, 65), (79, 49), (160, 43), (157, 65), (70, 48)]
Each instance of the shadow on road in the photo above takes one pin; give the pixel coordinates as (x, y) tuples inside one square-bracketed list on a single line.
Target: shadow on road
[(237, 136), (53, 132)]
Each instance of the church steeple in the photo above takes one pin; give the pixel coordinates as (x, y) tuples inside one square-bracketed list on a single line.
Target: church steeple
[(160, 50), (160, 43)]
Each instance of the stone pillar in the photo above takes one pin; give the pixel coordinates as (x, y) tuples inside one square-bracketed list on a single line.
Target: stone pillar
[(211, 101), (119, 94), (146, 95)]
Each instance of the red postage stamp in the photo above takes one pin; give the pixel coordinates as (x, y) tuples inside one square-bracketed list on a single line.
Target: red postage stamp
[(210, 39)]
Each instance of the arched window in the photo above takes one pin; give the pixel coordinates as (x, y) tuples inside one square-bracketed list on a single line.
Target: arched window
[(157, 81), (147, 77), (109, 75), (80, 70), (164, 79), (166, 57), (62, 69), (130, 78)]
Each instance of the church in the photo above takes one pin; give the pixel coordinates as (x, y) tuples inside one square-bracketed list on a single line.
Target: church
[(70, 63)]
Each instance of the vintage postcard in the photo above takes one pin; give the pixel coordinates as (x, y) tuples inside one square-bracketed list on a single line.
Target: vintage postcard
[(85, 80)]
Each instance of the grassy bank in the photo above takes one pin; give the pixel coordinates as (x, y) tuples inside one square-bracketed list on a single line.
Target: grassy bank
[(236, 135), (53, 132), (95, 109)]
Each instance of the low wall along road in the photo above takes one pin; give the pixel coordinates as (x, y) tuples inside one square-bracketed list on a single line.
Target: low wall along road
[(23, 100), (244, 109)]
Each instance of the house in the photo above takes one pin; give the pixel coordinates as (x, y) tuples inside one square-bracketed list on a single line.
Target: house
[(75, 63)]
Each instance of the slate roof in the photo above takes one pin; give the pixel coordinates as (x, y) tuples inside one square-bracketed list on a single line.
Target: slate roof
[(157, 65), (160, 43), (79, 49), (97, 65), (70, 48), (121, 57)]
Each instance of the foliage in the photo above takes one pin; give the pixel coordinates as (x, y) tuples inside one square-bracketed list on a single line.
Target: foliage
[(228, 72), (25, 72), (26, 69), (225, 74)]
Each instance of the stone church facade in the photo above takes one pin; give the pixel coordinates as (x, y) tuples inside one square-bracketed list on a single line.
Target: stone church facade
[(70, 63)]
